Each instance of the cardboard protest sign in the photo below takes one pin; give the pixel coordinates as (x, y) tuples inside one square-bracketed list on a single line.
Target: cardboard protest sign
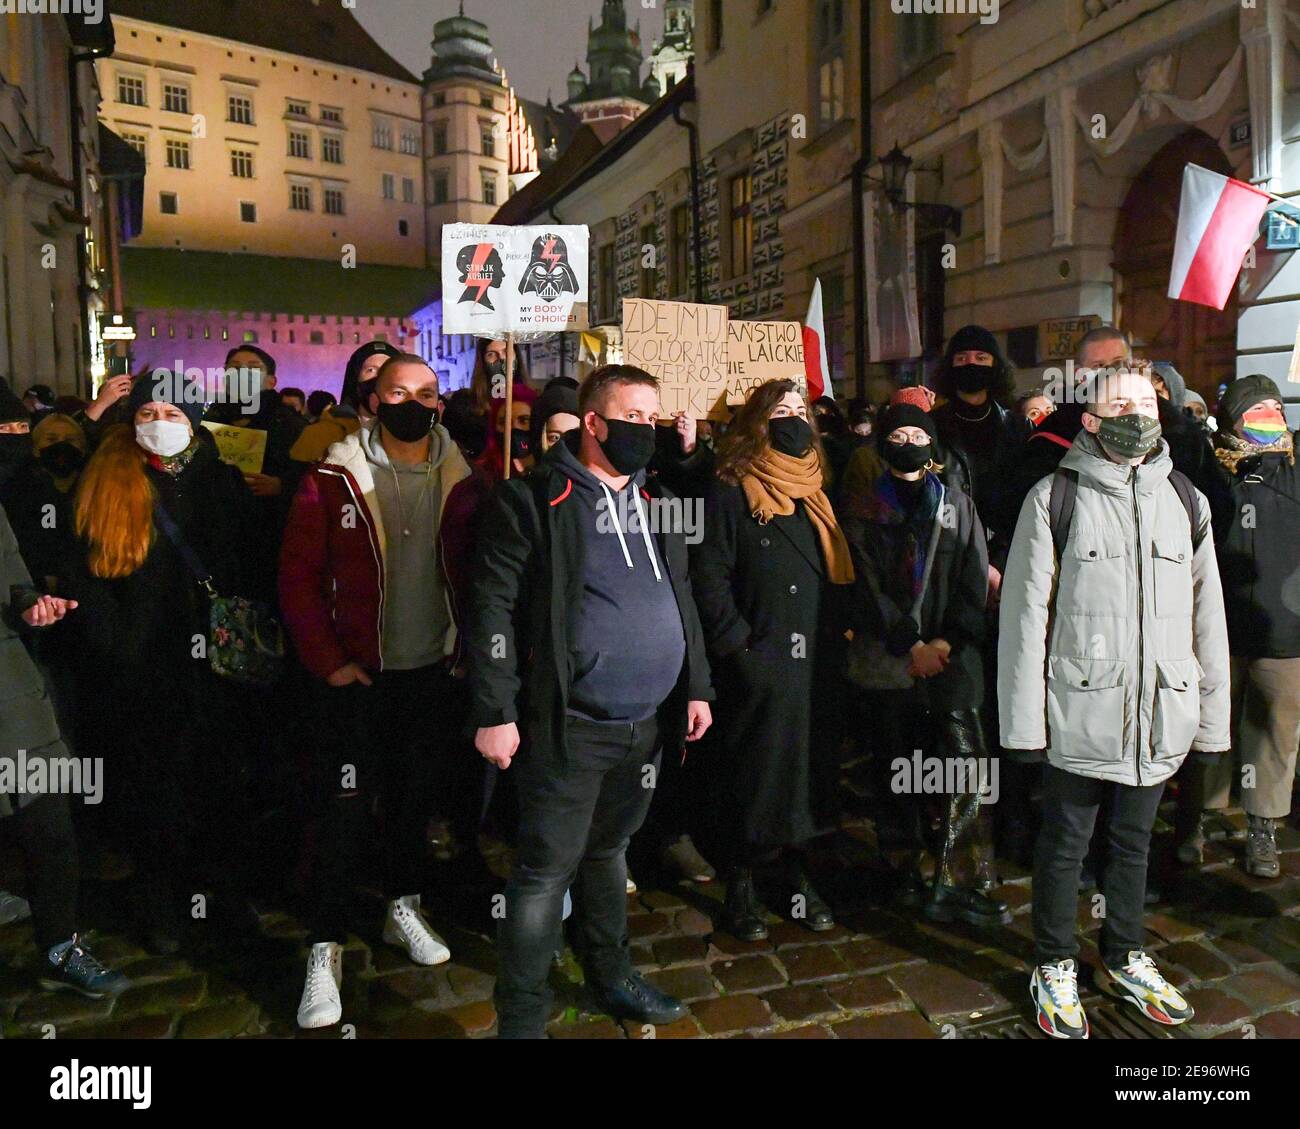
[(1293, 373), (684, 345), (759, 351), (529, 281), (242, 447)]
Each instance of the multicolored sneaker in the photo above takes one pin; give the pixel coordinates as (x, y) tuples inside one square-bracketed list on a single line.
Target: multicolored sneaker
[(1054, 989), (75, 966), (1141, 983)]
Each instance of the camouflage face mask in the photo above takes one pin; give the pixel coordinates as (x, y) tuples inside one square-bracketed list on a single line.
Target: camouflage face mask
[(1130, 436)]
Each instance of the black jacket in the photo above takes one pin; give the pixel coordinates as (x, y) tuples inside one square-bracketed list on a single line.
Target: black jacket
[(526, 588), (775, 630), (42, 519), (879, 535), (1259, 558), (987, 491), (1193, 454)]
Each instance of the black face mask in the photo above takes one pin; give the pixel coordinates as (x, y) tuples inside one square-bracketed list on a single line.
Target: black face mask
[(790, 435), (62, 459), (521, 443), (907, 457), (972, 378), (14, 451), (495, 368), (629, 447), (408, 421)]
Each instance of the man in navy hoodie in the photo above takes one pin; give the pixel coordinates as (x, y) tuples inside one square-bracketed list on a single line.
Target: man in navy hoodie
[(584, 634)]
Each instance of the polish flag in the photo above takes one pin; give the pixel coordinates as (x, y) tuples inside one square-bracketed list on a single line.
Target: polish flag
[(816, 367), (1218, 219)]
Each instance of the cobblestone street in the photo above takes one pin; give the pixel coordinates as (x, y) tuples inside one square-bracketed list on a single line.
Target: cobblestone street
[(1230, 941)]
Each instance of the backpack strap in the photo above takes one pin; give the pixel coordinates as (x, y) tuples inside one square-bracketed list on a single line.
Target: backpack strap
[(1187, 495), (164, 521), (1060, 509)]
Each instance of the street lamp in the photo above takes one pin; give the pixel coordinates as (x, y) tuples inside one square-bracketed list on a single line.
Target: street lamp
[(895, 166)]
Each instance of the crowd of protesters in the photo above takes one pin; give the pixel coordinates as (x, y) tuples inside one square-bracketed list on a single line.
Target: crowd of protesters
[(568, 619)]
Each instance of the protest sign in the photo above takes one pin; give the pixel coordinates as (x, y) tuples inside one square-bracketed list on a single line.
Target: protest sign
[(759, 351), (242, 447), (529, 281), (684, 345)]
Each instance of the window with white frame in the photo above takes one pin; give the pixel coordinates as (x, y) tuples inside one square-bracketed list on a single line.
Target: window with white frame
[(382, 135), (300, 144), (408, 190), (487, 138), (334, 201), (130, 89), (300, 198), (410, 143), (389, 186), (178, 154), (241, 163), (489, 182), (331, 149), (331, 114), (239, 109), (440, 193), (176, 98), (298, 109)]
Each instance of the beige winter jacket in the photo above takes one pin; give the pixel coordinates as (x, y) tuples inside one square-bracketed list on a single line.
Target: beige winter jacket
[(1117, 663)]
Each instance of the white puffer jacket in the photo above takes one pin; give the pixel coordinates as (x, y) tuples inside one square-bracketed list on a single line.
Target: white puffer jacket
[(1117, 662)]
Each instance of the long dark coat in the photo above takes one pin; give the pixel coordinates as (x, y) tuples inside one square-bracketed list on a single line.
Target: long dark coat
[(775, 635)]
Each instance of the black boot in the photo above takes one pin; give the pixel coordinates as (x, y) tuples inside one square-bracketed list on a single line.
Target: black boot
[(950, 903), (800, 901), (743, 913)]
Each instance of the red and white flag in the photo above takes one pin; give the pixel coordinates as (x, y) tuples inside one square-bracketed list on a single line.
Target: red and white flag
[(1218, 219), (816, 368)]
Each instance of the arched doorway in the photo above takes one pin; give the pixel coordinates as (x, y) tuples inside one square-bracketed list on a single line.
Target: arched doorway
[(1201, 342)]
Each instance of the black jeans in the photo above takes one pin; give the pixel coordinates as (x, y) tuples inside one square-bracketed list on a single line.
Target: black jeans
[(574, 825), (381, 742), (42, 832), (1070, 806)]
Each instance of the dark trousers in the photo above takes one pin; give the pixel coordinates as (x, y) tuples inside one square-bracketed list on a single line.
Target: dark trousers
[(575, 821), (380, 744), (42, 834), (1070, 807)]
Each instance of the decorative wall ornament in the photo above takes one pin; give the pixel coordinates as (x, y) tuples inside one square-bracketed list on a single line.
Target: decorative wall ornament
[(1262, 36), (1059, 111), (1154, 80)]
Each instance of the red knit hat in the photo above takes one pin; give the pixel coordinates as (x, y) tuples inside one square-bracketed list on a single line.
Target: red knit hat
[(917, 396)]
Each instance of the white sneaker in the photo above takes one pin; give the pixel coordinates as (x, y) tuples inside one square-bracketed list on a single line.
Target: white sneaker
[(406, 928), (321, 1006), (13, 908)]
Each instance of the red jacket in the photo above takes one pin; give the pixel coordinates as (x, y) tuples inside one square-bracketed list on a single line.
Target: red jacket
[(332, 572)]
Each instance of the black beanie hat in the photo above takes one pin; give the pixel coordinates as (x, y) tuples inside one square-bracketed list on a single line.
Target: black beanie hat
[(1242, 395), (163, 387), (904, 415), (974, 338), (12, 409)]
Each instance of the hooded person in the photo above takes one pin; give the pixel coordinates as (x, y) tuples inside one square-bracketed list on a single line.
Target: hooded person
[(921, 562), (15, 433), (342, 420), (1258, 562), (1195, 406), (38, 498), (519, 435), (1189, 443), (554, 414), (977, 434)]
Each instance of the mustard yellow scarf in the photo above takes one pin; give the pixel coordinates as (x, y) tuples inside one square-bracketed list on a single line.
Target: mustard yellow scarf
[(775, 481)]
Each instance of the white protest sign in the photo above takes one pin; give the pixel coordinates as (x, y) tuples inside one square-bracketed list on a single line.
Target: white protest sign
[(529, 281)]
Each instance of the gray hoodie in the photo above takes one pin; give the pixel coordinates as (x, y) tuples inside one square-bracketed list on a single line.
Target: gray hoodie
[(1116, 662)]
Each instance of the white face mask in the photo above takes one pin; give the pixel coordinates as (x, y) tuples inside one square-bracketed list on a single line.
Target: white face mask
[(163, 437)]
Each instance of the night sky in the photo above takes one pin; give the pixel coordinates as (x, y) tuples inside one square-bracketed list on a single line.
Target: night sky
[(537, 41)]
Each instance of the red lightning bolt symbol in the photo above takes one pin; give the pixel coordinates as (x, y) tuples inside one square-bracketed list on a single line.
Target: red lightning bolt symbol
[(548, 252), (481, 253)]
